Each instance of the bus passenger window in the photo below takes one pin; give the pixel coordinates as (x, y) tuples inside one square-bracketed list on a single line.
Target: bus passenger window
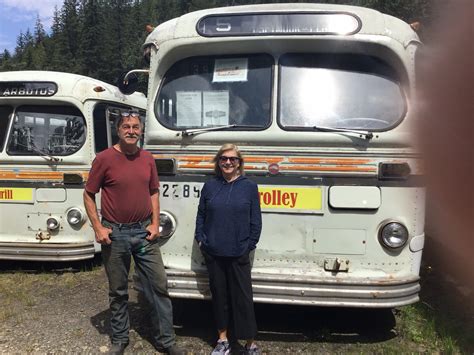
[(5, 112), (214, 91), (56, 130), (339, 90)]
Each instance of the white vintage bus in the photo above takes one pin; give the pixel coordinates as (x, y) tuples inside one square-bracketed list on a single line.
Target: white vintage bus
[(319, 99), (51, 126)]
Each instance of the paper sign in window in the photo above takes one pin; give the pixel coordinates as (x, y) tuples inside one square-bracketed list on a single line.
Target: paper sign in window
[(216, 108), (230, 69), (188, 108)]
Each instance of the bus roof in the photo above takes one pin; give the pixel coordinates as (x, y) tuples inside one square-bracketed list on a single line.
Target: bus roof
[(372, 22), (71, 85)]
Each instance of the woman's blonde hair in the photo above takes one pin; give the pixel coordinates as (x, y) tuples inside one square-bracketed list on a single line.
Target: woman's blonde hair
[(224, 148)]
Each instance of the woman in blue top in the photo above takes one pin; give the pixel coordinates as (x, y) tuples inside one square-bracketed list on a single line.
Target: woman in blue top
[(228, 226)]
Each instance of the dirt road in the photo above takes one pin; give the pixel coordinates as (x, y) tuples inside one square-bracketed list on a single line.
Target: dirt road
[(64, 311)]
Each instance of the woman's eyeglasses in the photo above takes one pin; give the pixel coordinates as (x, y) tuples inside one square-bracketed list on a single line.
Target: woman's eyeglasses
[(130, 114), (233, 160)]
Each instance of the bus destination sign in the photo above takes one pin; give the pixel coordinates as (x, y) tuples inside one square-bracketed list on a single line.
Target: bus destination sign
[(27, 88), (271, 24)]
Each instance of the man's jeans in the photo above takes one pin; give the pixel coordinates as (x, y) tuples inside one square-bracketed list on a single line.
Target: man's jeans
[(128, 241)]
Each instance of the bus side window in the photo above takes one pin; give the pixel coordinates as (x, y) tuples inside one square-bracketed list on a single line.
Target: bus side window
[(100, 128), (5, 112)]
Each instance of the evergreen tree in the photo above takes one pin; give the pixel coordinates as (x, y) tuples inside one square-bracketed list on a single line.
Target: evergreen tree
[(52, 45), (39, 33), (91, 54), (117, 38), (20, 45), (5, 61), (69, 38), (39, 57)]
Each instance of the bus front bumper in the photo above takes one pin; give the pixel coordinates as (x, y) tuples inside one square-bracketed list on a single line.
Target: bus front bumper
[(47, 251), (308, 290)]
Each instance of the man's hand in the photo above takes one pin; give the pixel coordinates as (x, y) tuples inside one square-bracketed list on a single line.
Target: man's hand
[(153, 232), (102, 235)]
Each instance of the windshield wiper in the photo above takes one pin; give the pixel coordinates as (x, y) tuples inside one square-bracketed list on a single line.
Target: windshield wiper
[(42, 154), (191, 132), (366, 134)]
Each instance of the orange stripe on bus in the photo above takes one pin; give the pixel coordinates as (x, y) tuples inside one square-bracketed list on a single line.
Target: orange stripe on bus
[(38, 175), (208, 158), (326, 164), (329, 161), (330, 168)]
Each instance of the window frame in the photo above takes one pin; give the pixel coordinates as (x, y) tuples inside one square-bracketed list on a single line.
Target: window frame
[(4, 139)]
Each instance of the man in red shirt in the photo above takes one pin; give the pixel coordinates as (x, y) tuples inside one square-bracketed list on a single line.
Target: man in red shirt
[(129, 227)]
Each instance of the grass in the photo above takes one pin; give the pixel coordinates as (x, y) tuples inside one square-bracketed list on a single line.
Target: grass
[(417, 324), (441, 322), (21, 289)]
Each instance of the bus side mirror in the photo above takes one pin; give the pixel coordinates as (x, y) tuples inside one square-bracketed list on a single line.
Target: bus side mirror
[(127, 83)]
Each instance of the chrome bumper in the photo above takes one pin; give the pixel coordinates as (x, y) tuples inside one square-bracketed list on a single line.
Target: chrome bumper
[(46, 251), (298, 290)]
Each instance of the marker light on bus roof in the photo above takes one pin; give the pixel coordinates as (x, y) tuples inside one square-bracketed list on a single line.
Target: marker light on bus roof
[(149, 28), (99, 88)]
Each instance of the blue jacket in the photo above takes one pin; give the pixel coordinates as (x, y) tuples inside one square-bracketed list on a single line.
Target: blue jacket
[(229, 220)]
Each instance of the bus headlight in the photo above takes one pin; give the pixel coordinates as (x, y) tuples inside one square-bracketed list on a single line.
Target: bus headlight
[(75, 216), (167, 224), (393, 235), (52, 223)]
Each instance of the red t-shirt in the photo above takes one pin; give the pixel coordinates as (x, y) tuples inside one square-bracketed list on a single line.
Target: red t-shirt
[(126, 182)]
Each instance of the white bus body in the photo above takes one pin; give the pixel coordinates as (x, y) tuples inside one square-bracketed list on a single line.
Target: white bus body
[(319, 99), (51, 126)]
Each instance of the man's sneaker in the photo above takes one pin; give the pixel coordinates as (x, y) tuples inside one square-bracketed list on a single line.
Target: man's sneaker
[(174, 350), (222, 348), (117, 348), (253, 350)]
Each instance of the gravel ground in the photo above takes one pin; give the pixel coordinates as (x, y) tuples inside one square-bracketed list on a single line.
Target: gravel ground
[(64, 311)]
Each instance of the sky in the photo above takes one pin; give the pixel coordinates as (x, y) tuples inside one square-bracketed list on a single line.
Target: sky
[(18, 15)]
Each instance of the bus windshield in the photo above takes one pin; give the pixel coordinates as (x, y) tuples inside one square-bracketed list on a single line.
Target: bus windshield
[(214, 91), (58, 130), (346, 91)]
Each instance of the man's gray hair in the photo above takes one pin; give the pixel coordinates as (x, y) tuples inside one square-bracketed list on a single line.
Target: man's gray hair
[(120, 116)]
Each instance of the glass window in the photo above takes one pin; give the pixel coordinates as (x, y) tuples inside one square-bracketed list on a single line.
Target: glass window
[(38, 130), (5, 112), (102, 139), (339, 91), (213, 91)]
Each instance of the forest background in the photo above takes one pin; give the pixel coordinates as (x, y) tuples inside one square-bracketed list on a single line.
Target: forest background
[(103, 38)]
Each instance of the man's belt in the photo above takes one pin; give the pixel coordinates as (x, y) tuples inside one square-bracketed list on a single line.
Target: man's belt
[(132, 225)]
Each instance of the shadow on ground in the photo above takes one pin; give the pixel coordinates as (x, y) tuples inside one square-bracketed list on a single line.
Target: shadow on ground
[(285, 323), (55, 266)]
